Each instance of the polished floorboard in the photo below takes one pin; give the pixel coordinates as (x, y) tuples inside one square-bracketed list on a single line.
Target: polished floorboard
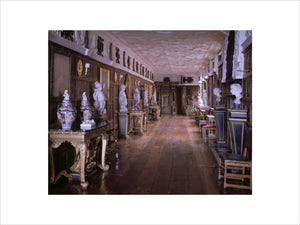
[(170, 158)]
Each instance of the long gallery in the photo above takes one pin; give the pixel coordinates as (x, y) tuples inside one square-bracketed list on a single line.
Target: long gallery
[(150, 112)]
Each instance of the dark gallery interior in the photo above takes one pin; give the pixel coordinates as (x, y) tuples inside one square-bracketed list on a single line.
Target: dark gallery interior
[(150, 112)]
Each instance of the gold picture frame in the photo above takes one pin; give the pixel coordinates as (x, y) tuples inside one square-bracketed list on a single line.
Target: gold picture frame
[(104, 80)]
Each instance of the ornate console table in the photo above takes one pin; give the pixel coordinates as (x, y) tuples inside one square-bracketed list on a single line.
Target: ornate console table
[(81, 140), (137, 121)]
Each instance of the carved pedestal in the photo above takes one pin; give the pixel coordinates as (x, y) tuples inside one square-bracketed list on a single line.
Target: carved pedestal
[(123, 124), (237, 127), (220, 117), (137, 121)]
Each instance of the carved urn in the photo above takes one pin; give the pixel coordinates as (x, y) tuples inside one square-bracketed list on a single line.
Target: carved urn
[(86, 109), (66, 113)]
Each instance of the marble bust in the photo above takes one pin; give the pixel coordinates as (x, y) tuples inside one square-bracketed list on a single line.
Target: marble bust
[(236, 90), (217, 93), (99, 99), (122, 99)]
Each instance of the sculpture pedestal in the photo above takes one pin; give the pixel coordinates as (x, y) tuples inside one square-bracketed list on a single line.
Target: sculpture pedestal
[(237, 128), (123, 124), (137, 121), (220, 117)]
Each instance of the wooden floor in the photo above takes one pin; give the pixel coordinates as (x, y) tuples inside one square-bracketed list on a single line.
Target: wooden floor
[(170, 158)]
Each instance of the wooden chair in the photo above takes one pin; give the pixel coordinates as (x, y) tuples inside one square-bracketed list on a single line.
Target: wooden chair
[(209, 130), (231, 176), (236, 170)]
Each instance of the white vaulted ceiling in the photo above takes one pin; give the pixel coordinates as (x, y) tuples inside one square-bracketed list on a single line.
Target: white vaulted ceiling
[(174, 52)]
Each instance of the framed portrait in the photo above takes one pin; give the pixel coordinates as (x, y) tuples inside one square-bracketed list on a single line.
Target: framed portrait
[(104, 80)]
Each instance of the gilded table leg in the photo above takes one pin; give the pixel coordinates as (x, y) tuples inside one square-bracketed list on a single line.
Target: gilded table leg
[(83, 182), (76, 165), (52, 178), (103, 166), (53, 145)]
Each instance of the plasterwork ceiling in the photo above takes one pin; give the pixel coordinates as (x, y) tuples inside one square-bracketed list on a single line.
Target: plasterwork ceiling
[(174, 52)]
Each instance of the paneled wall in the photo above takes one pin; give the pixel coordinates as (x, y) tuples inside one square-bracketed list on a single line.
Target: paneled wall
[(65, 73)]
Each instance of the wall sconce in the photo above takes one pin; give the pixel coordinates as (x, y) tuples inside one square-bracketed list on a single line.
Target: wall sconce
[(87, 66)]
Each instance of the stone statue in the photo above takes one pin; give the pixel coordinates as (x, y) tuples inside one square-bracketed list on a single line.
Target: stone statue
[(217, 93), (99, 99), (146, 103), (136, 99), (122, 99), (236, 90), (153, 99)]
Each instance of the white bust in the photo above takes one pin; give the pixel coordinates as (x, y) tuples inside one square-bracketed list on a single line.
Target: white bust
[(146, 103), (99, 99), (122, 99), (236, 90), (217, 93)]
